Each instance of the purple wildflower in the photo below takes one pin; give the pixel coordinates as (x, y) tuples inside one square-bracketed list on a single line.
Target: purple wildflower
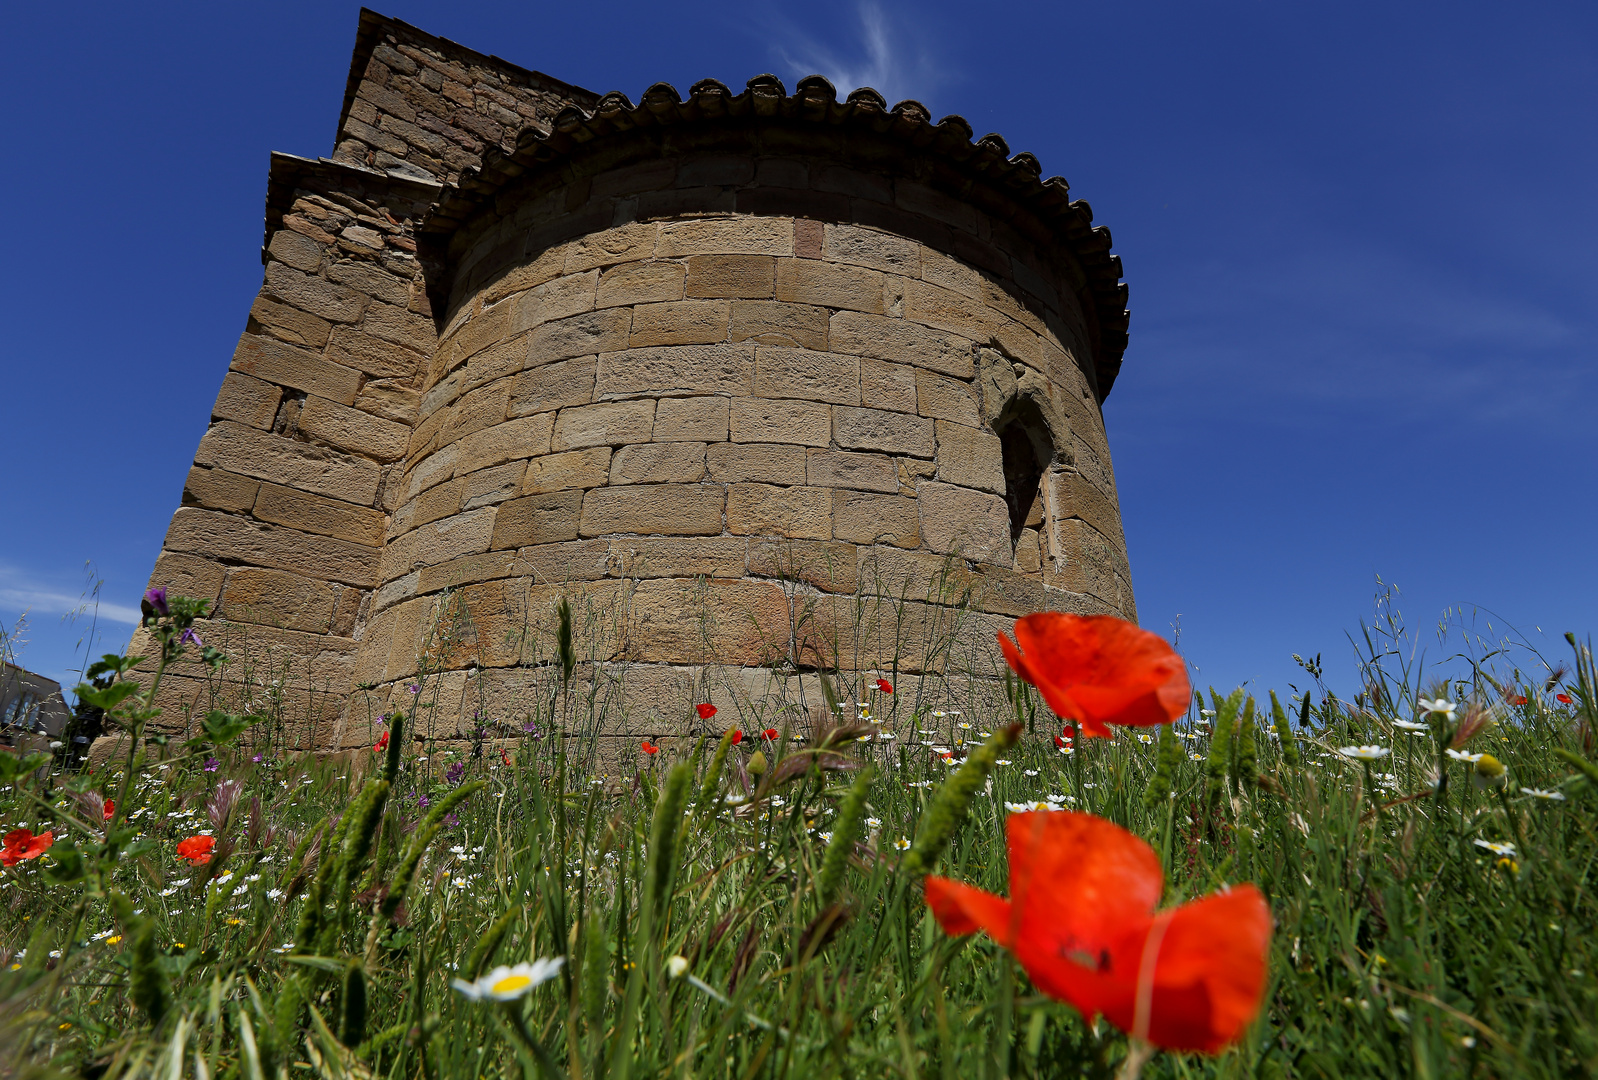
[(414, 689), (189, 637), (155, 602), (451, 819), (211, 764), (455, 773), (531, 727), (423, 802), (258, 758)]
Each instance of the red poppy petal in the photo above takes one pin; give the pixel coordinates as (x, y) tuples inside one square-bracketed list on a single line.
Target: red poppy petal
[(961, 909), (1063, 862), (1057, 698), (706, 711), (39, 845), (1101, 670), (16, 838)]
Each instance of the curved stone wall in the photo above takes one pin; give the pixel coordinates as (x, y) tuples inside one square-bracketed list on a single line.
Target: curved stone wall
[(712, 413)]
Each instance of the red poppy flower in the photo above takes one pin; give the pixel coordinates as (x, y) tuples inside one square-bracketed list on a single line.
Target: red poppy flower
[(196, 849), (504, 755), (1098, 670), (770, 734), (20, 845), (1081, 921), (648, 747), (706, 710), (381, 744), (884, 685), (737, 737), (110, 808), (1518, 699), (1563, 699)]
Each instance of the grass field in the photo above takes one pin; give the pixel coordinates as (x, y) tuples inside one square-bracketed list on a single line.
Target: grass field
[(742, 909)]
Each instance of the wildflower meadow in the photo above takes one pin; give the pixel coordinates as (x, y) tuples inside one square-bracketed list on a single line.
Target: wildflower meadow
[(1089, 868)]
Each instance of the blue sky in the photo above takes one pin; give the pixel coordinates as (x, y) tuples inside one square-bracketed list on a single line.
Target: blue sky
[(1361, 241)]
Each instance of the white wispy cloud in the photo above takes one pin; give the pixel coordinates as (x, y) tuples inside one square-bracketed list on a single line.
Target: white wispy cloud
[(883, 52), (23, 592)]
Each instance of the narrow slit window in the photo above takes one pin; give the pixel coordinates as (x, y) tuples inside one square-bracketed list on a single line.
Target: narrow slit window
[(1022, 431)]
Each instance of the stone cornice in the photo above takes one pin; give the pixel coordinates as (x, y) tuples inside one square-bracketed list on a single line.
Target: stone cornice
[(288, 174)]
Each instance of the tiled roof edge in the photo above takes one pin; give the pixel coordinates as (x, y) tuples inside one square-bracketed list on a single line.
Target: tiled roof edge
[(815, 100)]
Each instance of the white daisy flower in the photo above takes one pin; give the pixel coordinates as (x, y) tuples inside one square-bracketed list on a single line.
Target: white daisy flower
[(902, 844), (1441, 705), (1364, 753), (1506, 850), (1409, 725), (1029, 772), (1460, 755), (873, 823), (1541, 793)]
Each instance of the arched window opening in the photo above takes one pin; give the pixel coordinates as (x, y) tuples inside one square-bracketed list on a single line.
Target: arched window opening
[(1026, 447)]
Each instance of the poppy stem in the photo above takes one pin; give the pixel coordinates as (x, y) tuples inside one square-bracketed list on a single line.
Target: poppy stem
[(1137, 1055)]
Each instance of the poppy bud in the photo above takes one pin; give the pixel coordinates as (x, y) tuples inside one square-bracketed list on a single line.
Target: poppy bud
[(757, 764)]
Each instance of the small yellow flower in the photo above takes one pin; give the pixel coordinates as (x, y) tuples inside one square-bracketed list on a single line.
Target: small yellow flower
[(1491, 772), (1508, 865), (234, 922), (62, 1027), (113, 939)]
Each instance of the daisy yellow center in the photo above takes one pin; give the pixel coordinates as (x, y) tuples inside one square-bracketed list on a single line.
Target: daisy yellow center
[(510, 984)]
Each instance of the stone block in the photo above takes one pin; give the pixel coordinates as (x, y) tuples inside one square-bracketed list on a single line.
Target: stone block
[(808, 423), (211, 534), (640, 283), (548, 517), (295, 464), (680, 369), (487, 487), (1074, 497), (218, 489), (509, 440), (273, 361), (659, 509), (499, 361), (901, 341), (449, 538), (188, 575), (315, 514), (481, 330), (872, 248), (318, 296), (478, 410), (391, 399), (658, 463), (553, 386), (832, 285), (611, 423), (353, 347), (679, 322), (731, 276), (947, 399), (1029, 552), (944, 309), (574, 469), (929, 202), (802, 513), (578, 335), (577, 560), (702, 556), (972, 523), (887, 386), (844, 469), (731, 622), (804, 373), (876, 429), (624, 243), (467, 570), (970, 457), (289, 324), (555, 300), (822, 564), (435, 468), (726, 236), (1004, 591), (296, 249), (867, 518), (761, 463), (692, 419), (247, 401), (770, 322), (372, 280), (351, 429), (277, 598)]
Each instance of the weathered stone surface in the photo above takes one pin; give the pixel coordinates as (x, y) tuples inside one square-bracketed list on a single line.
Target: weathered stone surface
[(353, 347), (295, 464), (579, 335), (947, 399), (553, 386), (315, 514), (680, 322), (887, 386), (763, 463), (804, 373), (770, 322), (731, 276), (875, 429), (708, 556), (808, 423), (970, 457), (661, 509), (247, 400), (573, 469), (641, 283), (901, 341), (580, 560), (802, 513), (833, 285), (693, 419), (831, 567), (208, 533), (537, 519), (188, 575), (726, 236), (863, 472), (351, 429), (684, 369), (872, 248), (276, 598), (507, 441), (315, 295), (732, 622), (289, 324), (611, 246), (659, 463), (274, 362), (866, 518), (972, 523), (218, 489), (613, 423)]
